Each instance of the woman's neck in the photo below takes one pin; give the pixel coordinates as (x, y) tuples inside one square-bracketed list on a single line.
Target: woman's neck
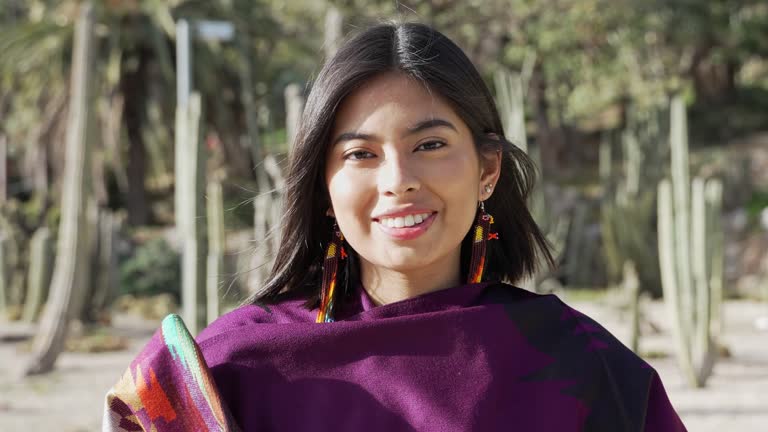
[(386, 286)]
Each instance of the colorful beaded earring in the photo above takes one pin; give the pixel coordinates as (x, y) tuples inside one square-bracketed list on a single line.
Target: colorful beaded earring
[(482, 233), (333, 254)]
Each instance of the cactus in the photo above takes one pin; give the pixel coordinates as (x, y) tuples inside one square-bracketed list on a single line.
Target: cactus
[(215, 209), (40, 259), (190, 212), (690, 256), (80, 309), (627, 209), (14, 263), (104, 280), (3, 276), (71, 246), (263, 201), (632, 289), (294, 106), (334, 30), (606, 160), (510, 98)]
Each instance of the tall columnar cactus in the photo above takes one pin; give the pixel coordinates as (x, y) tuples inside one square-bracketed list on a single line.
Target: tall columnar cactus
[(3, 276), (104, 277), (294, 106), (628, 205), (606, 160), (40, 259), (71, 246), (510, 97), (334, 30), (632, 290), (14, 264), (690, 254), (215, 207), (190, 210)]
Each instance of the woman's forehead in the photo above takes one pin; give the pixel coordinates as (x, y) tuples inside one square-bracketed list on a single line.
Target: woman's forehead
[(391, 99)]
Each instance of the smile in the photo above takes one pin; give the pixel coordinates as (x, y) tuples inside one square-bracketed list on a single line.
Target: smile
[(406, 227), (405, 221)]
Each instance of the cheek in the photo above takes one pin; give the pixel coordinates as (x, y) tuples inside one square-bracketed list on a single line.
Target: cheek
[(457, 178), (458, 182), (350, 196)]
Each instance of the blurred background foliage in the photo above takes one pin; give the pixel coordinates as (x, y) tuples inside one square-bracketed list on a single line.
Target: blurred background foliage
[(589, 67)]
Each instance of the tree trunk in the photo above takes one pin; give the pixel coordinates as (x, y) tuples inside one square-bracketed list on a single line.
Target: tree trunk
[(133, 86), (49, 341)]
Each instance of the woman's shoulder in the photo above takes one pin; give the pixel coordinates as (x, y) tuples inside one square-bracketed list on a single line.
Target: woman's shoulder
[(582, 351), (549, 321), (246, 316), (167, 378)]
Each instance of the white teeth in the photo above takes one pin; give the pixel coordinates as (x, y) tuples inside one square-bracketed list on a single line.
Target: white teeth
[(406, 221)]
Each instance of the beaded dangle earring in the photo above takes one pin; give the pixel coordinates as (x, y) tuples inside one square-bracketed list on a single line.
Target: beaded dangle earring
[(333, 254), (482, 233)]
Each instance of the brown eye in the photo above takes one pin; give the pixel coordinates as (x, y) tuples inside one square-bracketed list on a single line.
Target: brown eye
[(431, 145), (359, 155)]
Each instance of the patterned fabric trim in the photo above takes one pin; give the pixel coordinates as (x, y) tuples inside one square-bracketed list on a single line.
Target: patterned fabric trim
[(167, 388)]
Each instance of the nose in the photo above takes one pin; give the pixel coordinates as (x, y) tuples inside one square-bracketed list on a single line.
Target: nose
[(398, 176)]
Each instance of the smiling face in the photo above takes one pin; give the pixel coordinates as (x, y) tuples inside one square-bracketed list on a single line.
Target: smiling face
[(404, 178)]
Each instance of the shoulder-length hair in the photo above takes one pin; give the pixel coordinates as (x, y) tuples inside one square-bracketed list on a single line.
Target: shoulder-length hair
[(427, 55)]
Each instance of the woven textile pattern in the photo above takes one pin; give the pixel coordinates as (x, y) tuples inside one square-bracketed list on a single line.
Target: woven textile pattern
[(183, 397)]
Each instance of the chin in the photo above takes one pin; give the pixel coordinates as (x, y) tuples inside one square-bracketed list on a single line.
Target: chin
[(405, 264)]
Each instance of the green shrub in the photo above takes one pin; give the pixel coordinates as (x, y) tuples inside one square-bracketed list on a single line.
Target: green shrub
[(154, 268), (757, 202)]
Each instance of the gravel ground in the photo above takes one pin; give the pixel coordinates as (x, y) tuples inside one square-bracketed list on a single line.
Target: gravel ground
[(736, 398)]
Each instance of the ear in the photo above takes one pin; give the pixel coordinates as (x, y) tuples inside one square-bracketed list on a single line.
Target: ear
[(330, 212), (490, 170)]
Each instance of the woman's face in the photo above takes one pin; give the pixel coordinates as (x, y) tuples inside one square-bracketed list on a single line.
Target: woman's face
[(404, 176)]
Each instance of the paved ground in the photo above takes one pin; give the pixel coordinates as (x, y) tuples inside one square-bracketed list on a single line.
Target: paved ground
[(70, 399), (736, 396)]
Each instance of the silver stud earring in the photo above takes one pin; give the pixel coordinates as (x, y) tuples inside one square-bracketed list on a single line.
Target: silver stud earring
[(488, 188)]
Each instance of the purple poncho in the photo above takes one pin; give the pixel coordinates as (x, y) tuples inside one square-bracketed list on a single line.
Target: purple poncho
[(480, 357)]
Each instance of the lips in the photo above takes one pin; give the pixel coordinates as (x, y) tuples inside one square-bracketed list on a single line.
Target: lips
[(398, 227), (404, 221)]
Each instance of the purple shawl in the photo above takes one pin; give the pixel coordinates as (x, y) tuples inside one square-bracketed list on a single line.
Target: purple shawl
[(479, 357)]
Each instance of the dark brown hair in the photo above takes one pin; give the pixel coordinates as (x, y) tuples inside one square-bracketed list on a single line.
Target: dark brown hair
[(427, 55)]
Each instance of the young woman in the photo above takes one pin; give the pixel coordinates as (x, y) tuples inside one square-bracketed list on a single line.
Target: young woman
[(405, 209)]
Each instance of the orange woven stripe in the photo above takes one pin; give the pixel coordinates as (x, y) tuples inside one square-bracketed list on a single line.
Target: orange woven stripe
[(153, 397)]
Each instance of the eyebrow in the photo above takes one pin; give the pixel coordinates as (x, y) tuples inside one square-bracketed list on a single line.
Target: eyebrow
[(418, 127)]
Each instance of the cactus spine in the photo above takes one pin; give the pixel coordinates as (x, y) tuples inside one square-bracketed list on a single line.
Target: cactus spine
[(40, 258), (215, 209), (689, 211)]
